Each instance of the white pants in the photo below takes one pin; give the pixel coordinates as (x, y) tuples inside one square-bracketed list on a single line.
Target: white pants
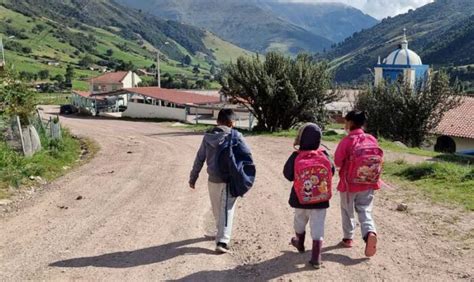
[(316, 219), (223, 207), (362, 203)]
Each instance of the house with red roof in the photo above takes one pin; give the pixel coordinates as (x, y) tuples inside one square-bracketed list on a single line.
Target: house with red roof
[(456, 129), (113, 81)]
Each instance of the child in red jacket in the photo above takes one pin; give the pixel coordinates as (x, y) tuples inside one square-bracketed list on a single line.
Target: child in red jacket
[(359, 159)]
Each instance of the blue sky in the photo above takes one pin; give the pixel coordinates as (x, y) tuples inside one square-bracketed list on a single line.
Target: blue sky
[(377, 8)]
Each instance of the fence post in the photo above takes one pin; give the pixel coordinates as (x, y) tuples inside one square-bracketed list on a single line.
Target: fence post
[(197, 115), (21, 135)]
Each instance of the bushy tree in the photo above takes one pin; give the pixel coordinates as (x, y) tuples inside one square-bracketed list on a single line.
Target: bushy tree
[(16, 97), (409, 114), (86, 61), (280, 91), (43, 74), (69, 76)]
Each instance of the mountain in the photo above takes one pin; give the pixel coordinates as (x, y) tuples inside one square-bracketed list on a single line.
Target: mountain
[(36, 32), (334, 21), (242, 22), (440, 32)]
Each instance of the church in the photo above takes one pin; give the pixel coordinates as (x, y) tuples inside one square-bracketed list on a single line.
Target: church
[(402, 62)]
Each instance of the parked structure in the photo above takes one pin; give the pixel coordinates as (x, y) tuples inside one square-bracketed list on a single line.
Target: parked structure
[(456, 130)]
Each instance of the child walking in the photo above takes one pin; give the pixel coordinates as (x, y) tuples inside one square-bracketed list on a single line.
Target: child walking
[(311, 170), (222, 202), (359, 158)]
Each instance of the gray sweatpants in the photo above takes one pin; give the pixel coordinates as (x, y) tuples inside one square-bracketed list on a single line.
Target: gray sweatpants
[(223, 207), (362, 203), (316, 219)]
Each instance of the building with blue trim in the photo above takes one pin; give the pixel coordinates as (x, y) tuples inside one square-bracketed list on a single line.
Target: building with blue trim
[(402, 62)]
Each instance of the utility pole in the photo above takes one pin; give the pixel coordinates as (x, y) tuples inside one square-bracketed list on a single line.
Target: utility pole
[(158, 73), (2, 61)]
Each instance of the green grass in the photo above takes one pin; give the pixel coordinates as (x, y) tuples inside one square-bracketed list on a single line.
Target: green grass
[(52, 98), (46, 45), (223, 50), (390, 146), (15, 169), (443, 182)]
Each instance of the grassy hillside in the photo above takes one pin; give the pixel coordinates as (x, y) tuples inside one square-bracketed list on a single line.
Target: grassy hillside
[(32, 39), (441, 25), (223, 50)]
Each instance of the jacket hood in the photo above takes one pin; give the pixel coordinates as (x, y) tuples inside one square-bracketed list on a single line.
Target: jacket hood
[(309, 137), (216, 136)]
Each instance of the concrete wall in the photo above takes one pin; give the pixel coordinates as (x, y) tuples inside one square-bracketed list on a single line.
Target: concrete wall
[(137, 110), (463, 144)]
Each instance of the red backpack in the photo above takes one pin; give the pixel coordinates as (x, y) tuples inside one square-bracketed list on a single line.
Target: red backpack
[(365, 162), (313, 177)]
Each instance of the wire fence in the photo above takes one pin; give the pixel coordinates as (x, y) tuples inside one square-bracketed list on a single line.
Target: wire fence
[(29, 139)]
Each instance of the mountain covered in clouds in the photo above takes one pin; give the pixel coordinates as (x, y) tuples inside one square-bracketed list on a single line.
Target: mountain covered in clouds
[(263, 25), (442, 33)]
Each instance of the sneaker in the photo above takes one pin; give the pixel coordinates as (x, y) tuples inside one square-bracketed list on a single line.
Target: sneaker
[(222, 248), (347, 243), (371, 244)]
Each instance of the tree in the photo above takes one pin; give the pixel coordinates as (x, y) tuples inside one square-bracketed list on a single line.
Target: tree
[(109, 52), (400, 112), (213, 70), (26, 76), (279, 91), (43, 74), (186, 60), (16, 97), (196, 69), (86, 61), (58, 78), (126, 66), (69, 76)]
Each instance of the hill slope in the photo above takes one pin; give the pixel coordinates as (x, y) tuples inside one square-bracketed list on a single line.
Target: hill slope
[(334, 21), (242, 22), (36, 32), (442, 25)]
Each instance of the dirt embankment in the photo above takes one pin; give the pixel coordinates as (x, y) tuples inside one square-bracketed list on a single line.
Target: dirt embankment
[(137, 220)]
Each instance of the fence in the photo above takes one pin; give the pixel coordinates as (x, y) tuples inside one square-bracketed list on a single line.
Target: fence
[(27, 139), (208, 115)]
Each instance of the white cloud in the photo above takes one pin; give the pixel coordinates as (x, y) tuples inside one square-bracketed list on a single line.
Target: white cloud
[(377, 8)]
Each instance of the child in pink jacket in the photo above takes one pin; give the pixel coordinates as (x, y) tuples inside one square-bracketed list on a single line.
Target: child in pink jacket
[(355, 196)]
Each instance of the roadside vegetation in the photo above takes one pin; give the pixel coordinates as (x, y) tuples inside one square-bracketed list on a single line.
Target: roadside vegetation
[(54, 160), (17, 99), (443, 182)]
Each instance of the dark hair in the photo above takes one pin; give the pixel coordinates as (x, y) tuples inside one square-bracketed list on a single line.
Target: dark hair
[(357, 117), (226, 116)]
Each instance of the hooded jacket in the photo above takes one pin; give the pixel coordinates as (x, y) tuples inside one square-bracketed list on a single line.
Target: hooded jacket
[(207, 153), (309, 139)]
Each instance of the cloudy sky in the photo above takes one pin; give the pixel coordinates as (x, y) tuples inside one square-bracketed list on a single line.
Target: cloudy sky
[(378, 8)]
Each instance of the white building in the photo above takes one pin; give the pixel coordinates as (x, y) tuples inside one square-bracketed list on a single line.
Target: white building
[(402, 62), (114, 81), (456, 129)]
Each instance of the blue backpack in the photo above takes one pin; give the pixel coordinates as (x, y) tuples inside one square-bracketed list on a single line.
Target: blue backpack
[(236, 165)]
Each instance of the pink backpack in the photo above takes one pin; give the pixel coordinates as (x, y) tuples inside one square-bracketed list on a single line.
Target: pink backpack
[(365, 162), (313, 177)]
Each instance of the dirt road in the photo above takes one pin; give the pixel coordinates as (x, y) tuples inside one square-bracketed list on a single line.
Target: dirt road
[(139, 221)]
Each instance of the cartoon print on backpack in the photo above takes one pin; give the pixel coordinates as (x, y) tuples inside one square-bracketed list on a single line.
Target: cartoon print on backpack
[(308, 190)]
